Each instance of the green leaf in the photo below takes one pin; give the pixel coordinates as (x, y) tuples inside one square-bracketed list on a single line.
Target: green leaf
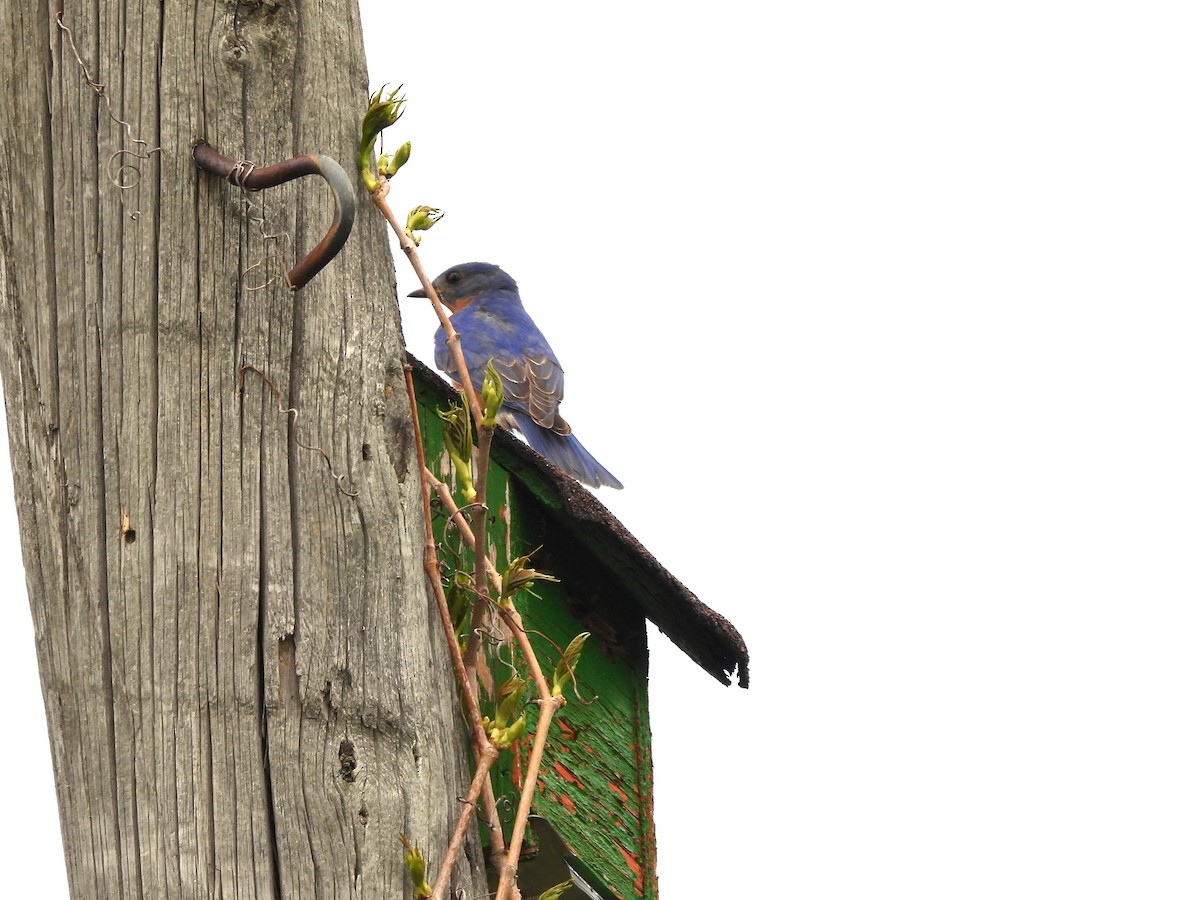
[(422, 218), (565, 670), (456, 438), (510, 694), (503, 737), (382, 112), (415, 862), (460, 597), (519, 577), (390, 165), (553, 893), (493, 394)]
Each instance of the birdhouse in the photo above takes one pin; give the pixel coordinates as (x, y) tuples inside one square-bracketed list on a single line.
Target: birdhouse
[(593, 810)]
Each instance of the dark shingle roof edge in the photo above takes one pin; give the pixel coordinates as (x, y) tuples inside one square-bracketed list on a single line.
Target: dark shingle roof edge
[(702, 633)]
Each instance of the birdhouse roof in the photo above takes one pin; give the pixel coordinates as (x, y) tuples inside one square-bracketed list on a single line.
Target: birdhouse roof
[(699, 631)]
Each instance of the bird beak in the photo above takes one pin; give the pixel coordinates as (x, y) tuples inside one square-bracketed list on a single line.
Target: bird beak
[(419, 292)]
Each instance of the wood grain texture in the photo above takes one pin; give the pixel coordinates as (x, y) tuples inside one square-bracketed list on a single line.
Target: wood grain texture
[(246, 693)]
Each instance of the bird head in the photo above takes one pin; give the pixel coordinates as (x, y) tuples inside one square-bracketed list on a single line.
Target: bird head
[(461, 284)]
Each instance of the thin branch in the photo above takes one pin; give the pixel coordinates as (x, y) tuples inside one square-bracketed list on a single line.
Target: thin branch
[(479, 533), (433, 572), (548, 703), (497, 847), (509, 872), (484, 751), (548, 706), (457, 516), (454, 345), (453, 341), (465, 819), (484, 570)]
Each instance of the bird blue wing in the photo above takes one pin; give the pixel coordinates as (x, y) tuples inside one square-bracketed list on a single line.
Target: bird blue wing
[(498, 329), (533, 379)]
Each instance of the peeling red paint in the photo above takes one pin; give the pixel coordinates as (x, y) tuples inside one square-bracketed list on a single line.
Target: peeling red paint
[(567, 803), (566, 729), (617, 822), (634, 866), (624, 799), (567, 775)]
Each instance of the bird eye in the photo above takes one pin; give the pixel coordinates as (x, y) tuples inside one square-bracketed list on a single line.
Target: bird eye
[(453, 277)]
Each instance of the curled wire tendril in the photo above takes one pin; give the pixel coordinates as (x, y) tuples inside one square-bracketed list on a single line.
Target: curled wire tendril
[(276, 244), (292, 413), (124, 164)]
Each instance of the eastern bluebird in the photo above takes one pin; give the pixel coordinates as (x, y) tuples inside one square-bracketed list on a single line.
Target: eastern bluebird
[(488, 314)]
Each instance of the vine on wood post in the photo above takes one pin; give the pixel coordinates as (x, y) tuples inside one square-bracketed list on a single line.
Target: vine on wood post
[(467, 431)]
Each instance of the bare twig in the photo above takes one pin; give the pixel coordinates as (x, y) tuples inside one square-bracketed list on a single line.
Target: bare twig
[(479, 544), (458, 518), (548, 706), (484, 751), (453, 341), (508, 873), (475, 534), (548, 703), (454, 344), (433, 572), (379, 197), (482, 769)]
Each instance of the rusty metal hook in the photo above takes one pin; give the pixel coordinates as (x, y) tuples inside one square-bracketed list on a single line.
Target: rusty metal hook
[(256, 178)]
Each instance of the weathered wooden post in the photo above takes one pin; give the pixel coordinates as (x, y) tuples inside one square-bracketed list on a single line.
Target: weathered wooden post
[(246, 692)]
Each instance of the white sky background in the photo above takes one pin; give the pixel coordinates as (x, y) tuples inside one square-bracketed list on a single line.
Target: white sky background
[(886, 315)]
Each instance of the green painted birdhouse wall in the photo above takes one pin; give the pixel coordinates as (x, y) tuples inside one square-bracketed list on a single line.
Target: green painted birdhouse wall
[(594, 803)]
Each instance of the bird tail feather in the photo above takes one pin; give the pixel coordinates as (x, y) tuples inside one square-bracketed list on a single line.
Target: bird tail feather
[(566, 452)]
